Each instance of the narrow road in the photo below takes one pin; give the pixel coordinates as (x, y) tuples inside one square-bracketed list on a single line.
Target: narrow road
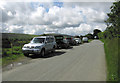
[(85, 62)]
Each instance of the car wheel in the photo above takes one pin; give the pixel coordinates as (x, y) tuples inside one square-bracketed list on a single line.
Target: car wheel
[(66, 46), (42, 53)]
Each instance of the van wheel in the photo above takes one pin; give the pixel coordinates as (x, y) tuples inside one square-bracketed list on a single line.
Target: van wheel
[(53, 50), (42, 53)]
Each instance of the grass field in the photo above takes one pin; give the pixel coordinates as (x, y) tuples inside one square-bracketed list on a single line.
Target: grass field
[(90, 40), (112, 58), (14, 51), (11, 55)]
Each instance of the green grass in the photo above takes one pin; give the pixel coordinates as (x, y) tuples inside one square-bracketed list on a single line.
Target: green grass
[(11, 59), (111, 51), (12, 44), (11, 55), (102, 40), (90, 40), (0, 61)]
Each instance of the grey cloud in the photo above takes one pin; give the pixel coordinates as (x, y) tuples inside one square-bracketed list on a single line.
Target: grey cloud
[(19, 30), (100, 6), (72, 18), (4, 17), (19, 6)]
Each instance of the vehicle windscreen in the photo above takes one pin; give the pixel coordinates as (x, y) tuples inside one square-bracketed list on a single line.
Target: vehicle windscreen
[(76, 39), (59, 37), (69, 39), (85, 38), (38, 40)]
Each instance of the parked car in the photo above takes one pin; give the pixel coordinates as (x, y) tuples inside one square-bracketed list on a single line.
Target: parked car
[(74, 41), (71, 40), (61, 41), (78, 40), (85, 39), (40, 45)]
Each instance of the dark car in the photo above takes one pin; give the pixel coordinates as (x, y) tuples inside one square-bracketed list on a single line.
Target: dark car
[(71, 40), (61, 41)]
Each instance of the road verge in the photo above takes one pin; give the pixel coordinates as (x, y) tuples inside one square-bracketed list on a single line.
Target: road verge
[(111, 52)]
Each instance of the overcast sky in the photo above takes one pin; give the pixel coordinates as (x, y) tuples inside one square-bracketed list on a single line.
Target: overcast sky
[(73, 18)]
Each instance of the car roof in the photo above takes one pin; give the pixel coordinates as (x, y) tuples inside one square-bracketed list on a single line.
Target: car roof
[(84, 37), (77, 38), (45, 37)]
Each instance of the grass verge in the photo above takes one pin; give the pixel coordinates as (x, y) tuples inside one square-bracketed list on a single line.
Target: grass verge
[(111, 52), (90, 40), (11, 55)]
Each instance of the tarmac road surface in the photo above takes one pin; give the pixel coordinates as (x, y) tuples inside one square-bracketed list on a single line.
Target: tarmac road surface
[(85, 62)]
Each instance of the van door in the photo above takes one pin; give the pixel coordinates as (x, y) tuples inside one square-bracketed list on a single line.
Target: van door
[(51, 43), (47, 44)]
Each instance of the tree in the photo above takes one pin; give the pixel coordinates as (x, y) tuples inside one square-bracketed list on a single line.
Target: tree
[(77, 36), (113, 22), (90, 36), (81, 37), (95, 32)]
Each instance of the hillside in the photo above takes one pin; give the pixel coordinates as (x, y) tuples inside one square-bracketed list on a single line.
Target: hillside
[(15, 39)]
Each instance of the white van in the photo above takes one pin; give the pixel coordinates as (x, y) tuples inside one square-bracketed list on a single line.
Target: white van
[(85, 39)]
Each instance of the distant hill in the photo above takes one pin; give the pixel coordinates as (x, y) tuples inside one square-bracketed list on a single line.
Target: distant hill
[(53, 34), (17, 36), (15, 39)]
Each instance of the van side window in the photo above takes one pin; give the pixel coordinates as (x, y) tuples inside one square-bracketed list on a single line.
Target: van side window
[(52, 39), (48, 40)]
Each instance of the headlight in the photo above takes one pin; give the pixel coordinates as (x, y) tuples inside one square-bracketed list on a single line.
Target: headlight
[(37, 46), (24, 46)]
